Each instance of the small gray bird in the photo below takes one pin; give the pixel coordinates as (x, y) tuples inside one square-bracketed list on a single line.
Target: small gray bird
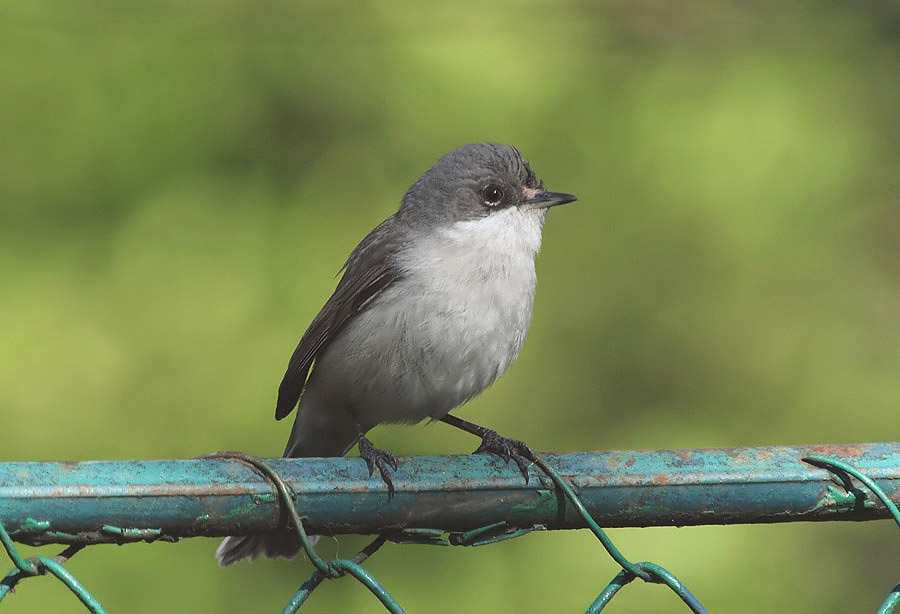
[(433, 306)]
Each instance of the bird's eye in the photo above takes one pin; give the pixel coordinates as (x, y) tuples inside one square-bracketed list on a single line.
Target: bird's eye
[(492, 195)]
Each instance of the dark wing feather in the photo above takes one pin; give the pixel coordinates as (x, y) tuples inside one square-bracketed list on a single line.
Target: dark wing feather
[(369, 270)]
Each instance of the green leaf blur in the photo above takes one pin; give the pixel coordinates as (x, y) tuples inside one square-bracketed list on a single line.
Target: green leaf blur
[(180, 182)]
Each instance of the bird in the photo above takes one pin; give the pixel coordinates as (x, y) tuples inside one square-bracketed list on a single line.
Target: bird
[(433, 306)]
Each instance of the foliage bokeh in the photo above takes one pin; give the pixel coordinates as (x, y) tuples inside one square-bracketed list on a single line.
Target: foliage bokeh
[(179, 183)]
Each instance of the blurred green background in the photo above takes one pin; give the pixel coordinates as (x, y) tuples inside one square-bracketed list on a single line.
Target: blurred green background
[(179, 183)]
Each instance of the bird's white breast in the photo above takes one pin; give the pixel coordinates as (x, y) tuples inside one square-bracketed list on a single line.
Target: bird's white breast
[(444, 332)]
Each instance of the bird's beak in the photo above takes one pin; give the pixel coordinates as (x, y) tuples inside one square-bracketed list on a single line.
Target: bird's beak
[(539, 199)]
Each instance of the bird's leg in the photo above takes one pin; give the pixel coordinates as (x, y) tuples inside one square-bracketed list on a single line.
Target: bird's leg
[(494, 443), (375, 458)]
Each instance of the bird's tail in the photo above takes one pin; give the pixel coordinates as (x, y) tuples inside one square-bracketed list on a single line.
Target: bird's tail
[(270, 545), (315, 434)]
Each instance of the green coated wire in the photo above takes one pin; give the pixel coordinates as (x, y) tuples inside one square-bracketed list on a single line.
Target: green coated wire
[(39, 566), (24, 565), (893, 599), (617, 556), (72, 583), (352, 568), (891, 602), (10, 580), (869, 482), (333, 569), (285, 497), (624, 577), (649, 572)]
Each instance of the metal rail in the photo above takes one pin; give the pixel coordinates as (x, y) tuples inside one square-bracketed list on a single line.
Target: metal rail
[(117, 501)]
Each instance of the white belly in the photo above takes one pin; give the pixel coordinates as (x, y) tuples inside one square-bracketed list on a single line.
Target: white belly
[(443, 333)]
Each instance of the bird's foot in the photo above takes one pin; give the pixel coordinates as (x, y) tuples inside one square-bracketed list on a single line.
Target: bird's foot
[(378, 459), (494, 443)]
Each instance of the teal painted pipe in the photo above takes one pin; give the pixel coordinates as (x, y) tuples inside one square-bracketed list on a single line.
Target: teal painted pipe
[(126, 500)]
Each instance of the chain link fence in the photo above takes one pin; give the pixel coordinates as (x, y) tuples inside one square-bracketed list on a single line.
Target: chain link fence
[(80, 504)]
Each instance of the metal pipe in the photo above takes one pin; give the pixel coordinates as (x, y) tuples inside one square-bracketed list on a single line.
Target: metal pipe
[(89, 501)]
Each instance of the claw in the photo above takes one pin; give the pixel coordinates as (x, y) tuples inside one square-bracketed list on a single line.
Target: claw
[(494, 443), (378, 459)]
